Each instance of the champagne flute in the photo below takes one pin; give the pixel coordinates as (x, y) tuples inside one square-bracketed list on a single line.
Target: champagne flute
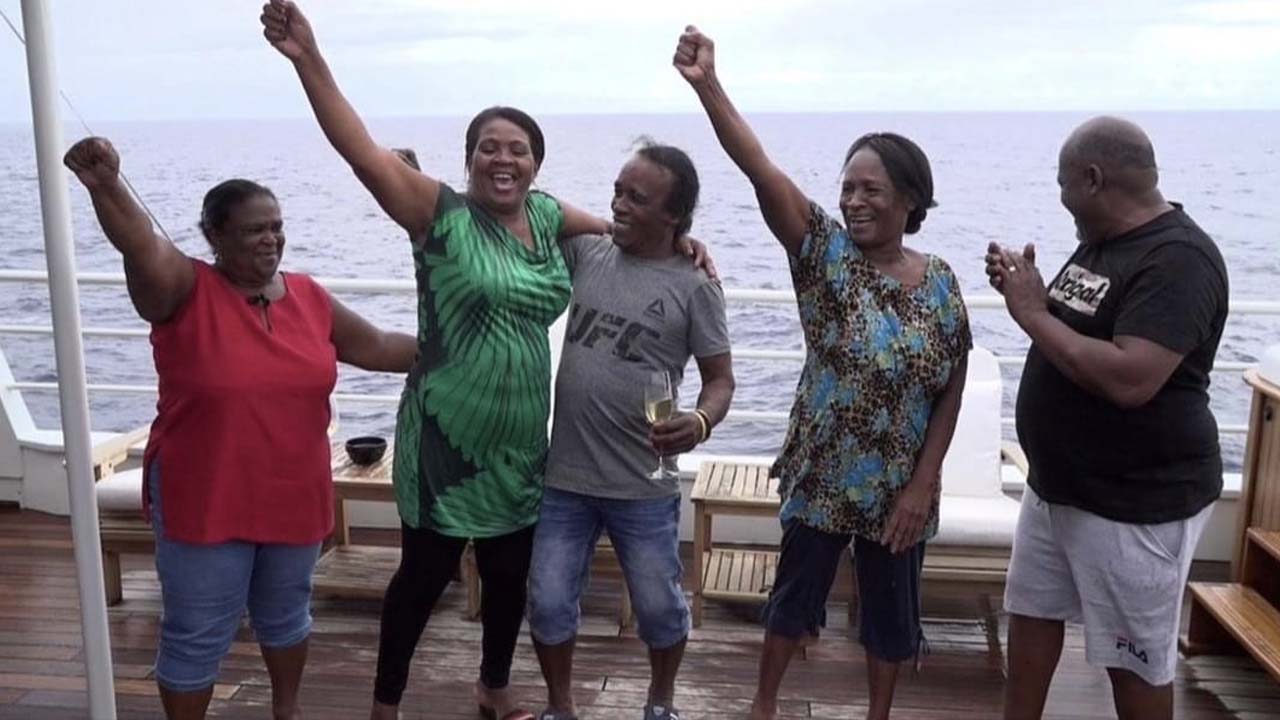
[(659, 405)]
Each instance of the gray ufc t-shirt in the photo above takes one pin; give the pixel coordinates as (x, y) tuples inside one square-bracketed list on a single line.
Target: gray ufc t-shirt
[(630, 316)]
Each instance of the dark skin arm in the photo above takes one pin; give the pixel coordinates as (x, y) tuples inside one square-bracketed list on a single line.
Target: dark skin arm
[(911, 509), (405, 194), (580, 222), (683, 432), (1126, 371), (362, 344), (784, 206), (158, 275), (392, 176)]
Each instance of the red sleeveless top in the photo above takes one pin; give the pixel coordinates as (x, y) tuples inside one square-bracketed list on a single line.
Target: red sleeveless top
[(240, 431)]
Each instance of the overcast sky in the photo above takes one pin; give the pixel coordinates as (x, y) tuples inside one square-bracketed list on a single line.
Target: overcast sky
[(207, 58)]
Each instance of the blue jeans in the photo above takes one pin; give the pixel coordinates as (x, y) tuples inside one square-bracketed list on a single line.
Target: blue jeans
[(205, 590), (646, 536)]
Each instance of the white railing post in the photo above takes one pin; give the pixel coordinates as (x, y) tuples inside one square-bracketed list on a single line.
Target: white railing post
[(68, 349)]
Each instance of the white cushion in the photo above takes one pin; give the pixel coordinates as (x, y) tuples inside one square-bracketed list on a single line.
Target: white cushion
[(120, 491), (971, 467), (984, 522)]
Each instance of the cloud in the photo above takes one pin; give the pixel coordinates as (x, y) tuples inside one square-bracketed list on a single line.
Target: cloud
[(1235, 11), (207, 58)]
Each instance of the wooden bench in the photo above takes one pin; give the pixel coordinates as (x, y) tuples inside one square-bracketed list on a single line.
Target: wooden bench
[(977, 520), (346, 570), (746, 575), (721, 573), (122, 529)]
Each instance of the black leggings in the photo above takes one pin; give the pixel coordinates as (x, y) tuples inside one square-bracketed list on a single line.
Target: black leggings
[(427, 564)]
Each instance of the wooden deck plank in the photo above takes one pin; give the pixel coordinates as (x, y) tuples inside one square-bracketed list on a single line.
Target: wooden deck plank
[(40, 676)]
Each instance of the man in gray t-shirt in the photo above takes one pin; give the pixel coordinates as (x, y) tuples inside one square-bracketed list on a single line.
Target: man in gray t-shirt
[(639, 307)]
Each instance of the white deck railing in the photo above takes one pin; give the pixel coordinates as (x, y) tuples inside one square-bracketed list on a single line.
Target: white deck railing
[(407, 287)]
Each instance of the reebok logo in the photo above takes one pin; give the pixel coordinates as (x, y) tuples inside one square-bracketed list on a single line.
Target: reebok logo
[(656, 309), (1123, 643), (1080, 289)]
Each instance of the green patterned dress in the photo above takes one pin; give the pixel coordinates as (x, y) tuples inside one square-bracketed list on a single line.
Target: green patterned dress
[(471, 431)]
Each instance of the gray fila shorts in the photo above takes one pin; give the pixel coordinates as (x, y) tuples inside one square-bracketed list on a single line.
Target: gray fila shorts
[(1123, 581)]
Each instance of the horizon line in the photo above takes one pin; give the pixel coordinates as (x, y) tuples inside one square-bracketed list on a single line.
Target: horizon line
[(676, 113)]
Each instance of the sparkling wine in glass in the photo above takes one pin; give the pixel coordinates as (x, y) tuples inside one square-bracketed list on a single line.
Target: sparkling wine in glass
[(659, 405)]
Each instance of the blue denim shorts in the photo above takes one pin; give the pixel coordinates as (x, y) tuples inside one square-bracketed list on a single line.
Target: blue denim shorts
[(205, 590), (888, 590), (646, 536)]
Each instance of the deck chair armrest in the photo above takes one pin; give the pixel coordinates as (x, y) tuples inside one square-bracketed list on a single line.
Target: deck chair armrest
[(106, 455), (1011, 452)]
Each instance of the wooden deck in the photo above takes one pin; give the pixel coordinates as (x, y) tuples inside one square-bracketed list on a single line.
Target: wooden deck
[(41, 667)]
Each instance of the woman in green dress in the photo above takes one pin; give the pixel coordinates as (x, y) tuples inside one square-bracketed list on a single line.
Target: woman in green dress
[(471, 427)]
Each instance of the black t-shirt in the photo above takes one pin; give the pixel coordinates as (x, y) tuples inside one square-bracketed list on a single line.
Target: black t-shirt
[(1165, 282)]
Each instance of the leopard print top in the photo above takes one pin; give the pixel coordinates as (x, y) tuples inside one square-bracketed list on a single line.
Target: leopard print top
[(878, 354)]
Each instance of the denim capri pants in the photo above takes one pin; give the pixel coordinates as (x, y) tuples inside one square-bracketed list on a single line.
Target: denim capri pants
[(205, 590)]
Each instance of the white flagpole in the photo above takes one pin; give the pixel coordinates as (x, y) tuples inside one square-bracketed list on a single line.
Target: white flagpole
[(72, 395)]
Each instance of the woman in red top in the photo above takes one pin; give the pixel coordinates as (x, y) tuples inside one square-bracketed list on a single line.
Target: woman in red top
[(237, 472)]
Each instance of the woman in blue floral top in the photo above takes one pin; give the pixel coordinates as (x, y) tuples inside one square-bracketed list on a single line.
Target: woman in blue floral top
[(887, 341)]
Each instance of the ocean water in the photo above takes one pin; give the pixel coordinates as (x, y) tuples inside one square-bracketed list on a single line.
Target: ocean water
[(994, 173)]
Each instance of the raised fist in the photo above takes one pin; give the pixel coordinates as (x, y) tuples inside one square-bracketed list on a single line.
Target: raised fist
[(695, 56), (287, 29), (94, 161)]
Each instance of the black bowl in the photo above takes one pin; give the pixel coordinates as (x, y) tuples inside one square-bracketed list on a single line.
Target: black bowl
[(366, 450)]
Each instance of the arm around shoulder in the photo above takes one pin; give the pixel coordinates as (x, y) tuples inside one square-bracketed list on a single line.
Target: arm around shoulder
[(580, 222)]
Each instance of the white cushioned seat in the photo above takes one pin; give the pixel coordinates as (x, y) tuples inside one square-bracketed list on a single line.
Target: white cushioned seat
[(979, 522), (975, 511)]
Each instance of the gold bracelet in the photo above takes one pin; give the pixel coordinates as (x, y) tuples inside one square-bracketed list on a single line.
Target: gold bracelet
[(702, 425), (705, 421)]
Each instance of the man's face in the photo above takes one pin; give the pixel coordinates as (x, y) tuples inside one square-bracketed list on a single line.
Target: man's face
[(640, 217), (1076, 194)]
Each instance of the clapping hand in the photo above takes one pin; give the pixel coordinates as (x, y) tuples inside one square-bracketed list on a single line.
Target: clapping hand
[(1017, 278)]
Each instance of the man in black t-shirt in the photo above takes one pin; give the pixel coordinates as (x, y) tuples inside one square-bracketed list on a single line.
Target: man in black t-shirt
[(1113, 413)]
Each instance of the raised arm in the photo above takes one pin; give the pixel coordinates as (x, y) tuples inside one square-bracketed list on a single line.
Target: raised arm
[(785, 208), (405, 194), (158, 275), (364, 345)]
